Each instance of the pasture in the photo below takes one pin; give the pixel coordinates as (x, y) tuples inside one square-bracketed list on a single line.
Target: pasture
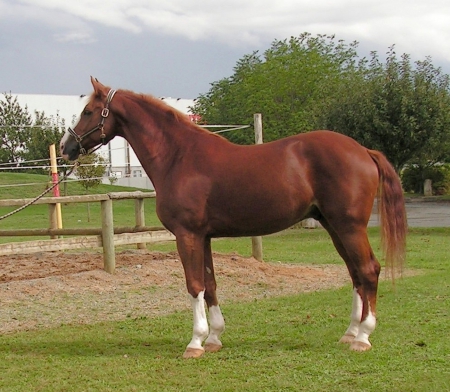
[(282, 342), (278, 343)]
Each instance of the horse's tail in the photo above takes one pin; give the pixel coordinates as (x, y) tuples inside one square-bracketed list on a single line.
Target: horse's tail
[(392, 214)]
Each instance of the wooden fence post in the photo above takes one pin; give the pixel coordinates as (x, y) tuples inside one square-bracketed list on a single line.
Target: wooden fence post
[(109, 256), (54, 170), (140, 218), (257, 251), (52, 217)]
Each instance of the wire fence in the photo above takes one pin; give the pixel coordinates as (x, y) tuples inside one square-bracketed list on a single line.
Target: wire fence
[(40, 166), (44, 163), (69, 180)]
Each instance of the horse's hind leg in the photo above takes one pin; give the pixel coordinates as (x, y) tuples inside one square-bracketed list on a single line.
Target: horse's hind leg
[(216, 321), (353, 246)]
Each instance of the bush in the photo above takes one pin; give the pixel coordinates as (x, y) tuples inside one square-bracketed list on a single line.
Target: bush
[(413, 178)]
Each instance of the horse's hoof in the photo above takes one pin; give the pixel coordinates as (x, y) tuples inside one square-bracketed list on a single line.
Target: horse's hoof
[(360, 346), (193, 352), (212, 347), (347, 339)]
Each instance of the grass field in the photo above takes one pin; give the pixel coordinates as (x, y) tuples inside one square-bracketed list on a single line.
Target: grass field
[(73, 215), (275, 344)]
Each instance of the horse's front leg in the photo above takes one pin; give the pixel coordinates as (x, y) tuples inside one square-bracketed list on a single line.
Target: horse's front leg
[(191, 251), (216, 321)]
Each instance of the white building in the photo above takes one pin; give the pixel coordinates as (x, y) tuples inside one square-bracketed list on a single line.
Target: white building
[(123, 163)]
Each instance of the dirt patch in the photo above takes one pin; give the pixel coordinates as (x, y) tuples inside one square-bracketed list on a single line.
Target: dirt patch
[(50, 289)]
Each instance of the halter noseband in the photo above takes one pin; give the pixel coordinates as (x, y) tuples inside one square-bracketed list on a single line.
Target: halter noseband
[(99, 127)]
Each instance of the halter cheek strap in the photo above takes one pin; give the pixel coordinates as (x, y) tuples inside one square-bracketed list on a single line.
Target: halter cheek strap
[(99, 127)]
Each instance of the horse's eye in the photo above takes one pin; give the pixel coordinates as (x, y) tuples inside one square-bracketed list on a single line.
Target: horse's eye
[(87, 112)]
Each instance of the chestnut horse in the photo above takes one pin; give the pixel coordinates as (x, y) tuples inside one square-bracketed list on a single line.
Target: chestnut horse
[(208, 187)]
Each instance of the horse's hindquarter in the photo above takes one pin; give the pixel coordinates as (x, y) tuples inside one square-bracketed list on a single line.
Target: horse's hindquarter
[(343, 176)]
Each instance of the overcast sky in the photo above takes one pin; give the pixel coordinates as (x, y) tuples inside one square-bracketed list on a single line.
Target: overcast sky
[(176, 48)]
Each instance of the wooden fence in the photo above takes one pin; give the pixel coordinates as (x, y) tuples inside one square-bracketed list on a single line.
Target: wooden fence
[(106, 236)]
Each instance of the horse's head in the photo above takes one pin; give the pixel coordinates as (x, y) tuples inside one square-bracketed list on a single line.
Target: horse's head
[(94, 127)]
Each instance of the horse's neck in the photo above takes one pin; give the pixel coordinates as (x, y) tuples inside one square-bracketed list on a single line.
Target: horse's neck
[(156, 147)]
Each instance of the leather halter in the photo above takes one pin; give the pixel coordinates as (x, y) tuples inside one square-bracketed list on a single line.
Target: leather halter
[(98, 127)]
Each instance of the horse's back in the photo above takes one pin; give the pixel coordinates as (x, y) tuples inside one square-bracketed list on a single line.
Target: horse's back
[(323, 158), (334, 154)]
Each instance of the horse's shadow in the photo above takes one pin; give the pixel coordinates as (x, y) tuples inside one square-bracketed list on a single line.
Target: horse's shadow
[(111, 347), (153, 347)]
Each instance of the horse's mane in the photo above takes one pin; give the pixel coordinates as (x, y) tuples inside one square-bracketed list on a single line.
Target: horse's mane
[(167, 110)]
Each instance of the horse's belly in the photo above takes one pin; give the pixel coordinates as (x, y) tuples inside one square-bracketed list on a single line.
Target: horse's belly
[(258, 218)]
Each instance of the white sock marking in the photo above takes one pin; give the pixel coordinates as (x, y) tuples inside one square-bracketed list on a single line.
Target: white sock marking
[(366, 328), (217, 324), (200, 330), (355, 318)]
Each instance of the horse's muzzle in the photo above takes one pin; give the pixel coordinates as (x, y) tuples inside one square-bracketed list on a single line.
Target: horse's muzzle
[(69, 147)]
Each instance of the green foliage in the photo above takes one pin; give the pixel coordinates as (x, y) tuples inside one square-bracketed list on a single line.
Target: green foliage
[(113, 178), (306, 82), (14, 131), (91, 170), (413, 178), (285, 84), (46, 131), (25, 139), (396, 107)]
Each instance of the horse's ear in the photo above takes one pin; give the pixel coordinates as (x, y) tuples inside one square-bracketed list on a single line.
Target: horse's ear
[(98, 87)]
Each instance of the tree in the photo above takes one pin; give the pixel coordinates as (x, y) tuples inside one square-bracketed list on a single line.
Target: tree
[(396, 107), (307, 83), (90, 171), (23, 138), (414, 176), (286, 85), (14, 129), (44, 132)]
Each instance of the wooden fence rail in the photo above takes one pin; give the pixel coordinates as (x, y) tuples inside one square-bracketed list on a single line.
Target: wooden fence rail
[(106, 237)]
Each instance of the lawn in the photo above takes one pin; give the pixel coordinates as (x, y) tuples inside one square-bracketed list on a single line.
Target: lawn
[(73, 215), (275, 344)]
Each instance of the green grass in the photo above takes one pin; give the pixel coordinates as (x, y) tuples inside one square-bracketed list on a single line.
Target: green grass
[(289, 246), (38, 183), (73, 215), (275, 344)]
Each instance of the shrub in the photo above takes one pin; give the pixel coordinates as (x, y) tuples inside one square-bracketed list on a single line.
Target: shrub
[(413, 178)]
